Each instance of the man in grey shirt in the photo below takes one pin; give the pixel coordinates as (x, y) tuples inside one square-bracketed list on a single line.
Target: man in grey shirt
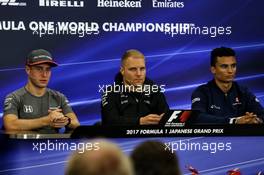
[(34, 106)]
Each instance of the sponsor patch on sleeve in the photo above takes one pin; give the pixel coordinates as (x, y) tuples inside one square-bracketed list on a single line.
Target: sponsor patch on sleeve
[(104, 99), (195, 100), (8, 103)]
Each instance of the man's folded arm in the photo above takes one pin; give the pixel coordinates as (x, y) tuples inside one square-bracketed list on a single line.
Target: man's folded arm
[(199, 104), (255, 106), (163, 106), (12, 123)]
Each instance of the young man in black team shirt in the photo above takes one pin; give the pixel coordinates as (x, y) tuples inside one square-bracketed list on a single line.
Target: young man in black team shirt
[(222, 100), (133, 99)]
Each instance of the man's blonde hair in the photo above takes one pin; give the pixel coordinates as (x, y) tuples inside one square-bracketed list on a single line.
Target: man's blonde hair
[(131, 53)]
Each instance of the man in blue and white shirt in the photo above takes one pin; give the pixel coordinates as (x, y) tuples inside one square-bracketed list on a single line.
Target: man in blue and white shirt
[(222, 100)]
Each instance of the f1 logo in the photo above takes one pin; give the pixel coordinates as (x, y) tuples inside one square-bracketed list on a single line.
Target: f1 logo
[(12, 3), (28, 109), (174, 115)]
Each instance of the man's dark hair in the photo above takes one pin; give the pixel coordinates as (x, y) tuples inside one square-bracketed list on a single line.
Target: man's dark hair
[(220, 52), (152, 158)]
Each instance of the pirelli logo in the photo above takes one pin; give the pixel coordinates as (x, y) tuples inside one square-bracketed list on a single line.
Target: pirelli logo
[(12, 3)]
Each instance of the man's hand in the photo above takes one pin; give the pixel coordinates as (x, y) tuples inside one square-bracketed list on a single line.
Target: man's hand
[(249, 118), (151, 119), (57, 119)]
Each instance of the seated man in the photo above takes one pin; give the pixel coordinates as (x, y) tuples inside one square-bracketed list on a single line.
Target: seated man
[(133, 99), (34, 106), (222, 100)]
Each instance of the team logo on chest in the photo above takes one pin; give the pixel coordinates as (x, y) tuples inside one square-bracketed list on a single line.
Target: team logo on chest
[(215, 107), (28, 109), (237, 102)]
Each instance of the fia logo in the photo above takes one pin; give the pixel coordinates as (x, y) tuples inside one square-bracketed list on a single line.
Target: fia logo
[(12, 3), (28, 109)]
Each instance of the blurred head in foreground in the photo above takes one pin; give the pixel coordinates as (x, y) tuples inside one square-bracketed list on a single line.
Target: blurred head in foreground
[(105, 159), (153, 158)]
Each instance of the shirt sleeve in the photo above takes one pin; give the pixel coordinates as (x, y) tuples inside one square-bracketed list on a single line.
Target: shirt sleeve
[(111, 114), (11, 105), (65, 104), (253, 105), (200, 105), (163, 106)]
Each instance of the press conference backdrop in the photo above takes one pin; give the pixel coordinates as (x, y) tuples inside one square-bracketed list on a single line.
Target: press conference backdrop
[(87, 39)]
